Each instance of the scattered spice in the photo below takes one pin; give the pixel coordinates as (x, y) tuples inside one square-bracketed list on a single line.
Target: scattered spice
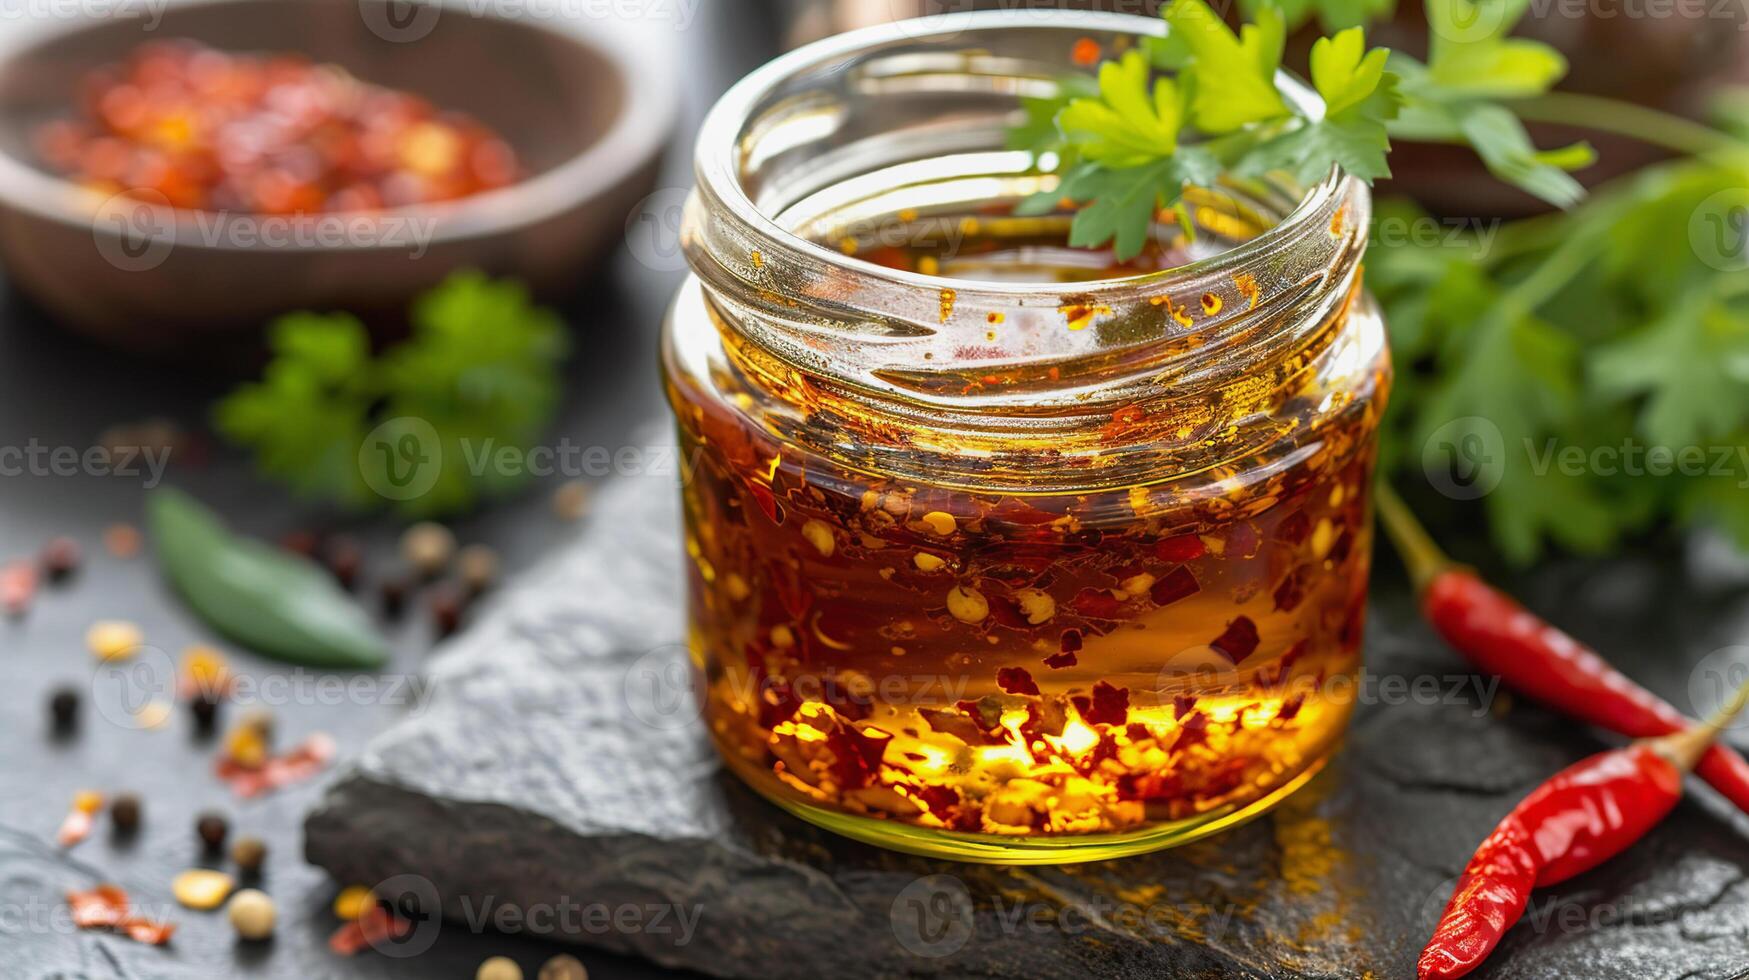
[(345, 560), (373, 926), (212, 829), (81, 817), (204, 706), (113, 639), (447, 607), (202, 889), (252, 914), (353, 902), (17, 587), (259, 595), (477, 566), (428, 548), (64, 709), (59, 559), (563, 967), (107, 907), (249, 854), (499, 968), (305, 544), (122, 540), (394, 591), (277, 771), (124, 813), (204, 670), (154, 714), (571, 500)]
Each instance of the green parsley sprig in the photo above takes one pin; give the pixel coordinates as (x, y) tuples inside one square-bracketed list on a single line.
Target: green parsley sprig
[(481, 369), (1202, 101)]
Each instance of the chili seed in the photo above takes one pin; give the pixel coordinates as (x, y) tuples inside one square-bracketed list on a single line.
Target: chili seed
[(60, 559), (820, 536), (352, 902), (927, 562), (249, 853), (252, 914), (499, 968), (88, 801), (941, 522), (1036, 605), (563, 967), (477, 565), (967, 605), (125, 813), (202, 889), (428, 548), (64, 709), (212, 829)]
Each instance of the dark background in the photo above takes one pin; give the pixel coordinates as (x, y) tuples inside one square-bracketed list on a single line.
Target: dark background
[(59, 391)]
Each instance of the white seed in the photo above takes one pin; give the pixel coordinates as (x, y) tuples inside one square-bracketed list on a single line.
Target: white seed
[(252, 914), (820, 536), (967, 605)]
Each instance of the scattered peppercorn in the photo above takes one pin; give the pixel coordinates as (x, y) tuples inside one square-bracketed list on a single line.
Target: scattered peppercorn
[(478, 567), (252, 914), (563, 967), (429, 548), (212, 829), (64, 709), (205, 708), (249, 853), (571, 500), (302, 543), (124, 812), (499, 968), (59, 559), (345, 559), (394, 594)]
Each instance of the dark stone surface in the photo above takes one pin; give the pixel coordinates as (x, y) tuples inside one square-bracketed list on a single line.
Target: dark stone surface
[(545, 772)]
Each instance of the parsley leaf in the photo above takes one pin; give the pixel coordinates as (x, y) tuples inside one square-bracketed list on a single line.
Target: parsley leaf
[(481, 369), (1231, 79), (1360, 97), (1125, 126), (1332, 15)]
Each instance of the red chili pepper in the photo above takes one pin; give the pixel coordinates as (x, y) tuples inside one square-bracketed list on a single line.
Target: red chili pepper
[(1534, 658), (1585, 815)]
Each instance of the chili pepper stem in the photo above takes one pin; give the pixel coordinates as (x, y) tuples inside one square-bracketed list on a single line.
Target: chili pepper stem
[(1423, 557), (1683, 749)]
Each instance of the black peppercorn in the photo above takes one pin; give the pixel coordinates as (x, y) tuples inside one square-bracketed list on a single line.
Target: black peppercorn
[(394, 592), (447, 606), (249, 853), (125, 813), (345, 560), (64, 709), (212, 829), (205, 707), (60, 559)]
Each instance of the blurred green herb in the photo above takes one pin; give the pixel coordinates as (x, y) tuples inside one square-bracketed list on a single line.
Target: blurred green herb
[(1126, 152), (480, 369)]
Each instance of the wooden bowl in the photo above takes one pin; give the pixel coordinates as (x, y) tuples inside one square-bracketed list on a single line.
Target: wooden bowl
[(587, 121)]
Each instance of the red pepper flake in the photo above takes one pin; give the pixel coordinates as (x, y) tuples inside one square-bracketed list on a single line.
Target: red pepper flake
[(1086, 52), (1097, 604), (1181, 705), (1294, 529), (1238, 642), (376, 925), (1243, 541), (17, 587), (1192, 731), (1292, 590), (107, 907), (1184, 547), (1178, 584), (295, 766), (1071, 641), (765, 500), (1108, 705), (1291, 707), (1061, 660), (1344, 544), (1015, 680)]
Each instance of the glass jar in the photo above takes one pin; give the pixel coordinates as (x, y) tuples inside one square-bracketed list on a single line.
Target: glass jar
[(1000, 550)]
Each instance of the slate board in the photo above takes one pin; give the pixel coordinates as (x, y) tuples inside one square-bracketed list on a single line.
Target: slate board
[(557, 773)]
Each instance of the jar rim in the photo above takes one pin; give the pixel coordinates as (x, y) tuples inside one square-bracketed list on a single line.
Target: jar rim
[(716, 156)]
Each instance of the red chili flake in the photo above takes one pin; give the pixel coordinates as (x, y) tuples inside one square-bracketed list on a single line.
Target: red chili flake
[(1178, 584), (1150, 786), (1184, 547), (17, 587), (1294, 529), (1097, 604), (1060, 660), (1086, 52), (1292, 590), (1071, 641), (1181, 705), (957, 724), (1108, 705), (1291, 707), (1344, 544), (1238, 642), (1015, 680), (107, 907), (1192, 731), (372, 928), (1243, 541), (295, 766), (1005, 613), (765, 500)]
